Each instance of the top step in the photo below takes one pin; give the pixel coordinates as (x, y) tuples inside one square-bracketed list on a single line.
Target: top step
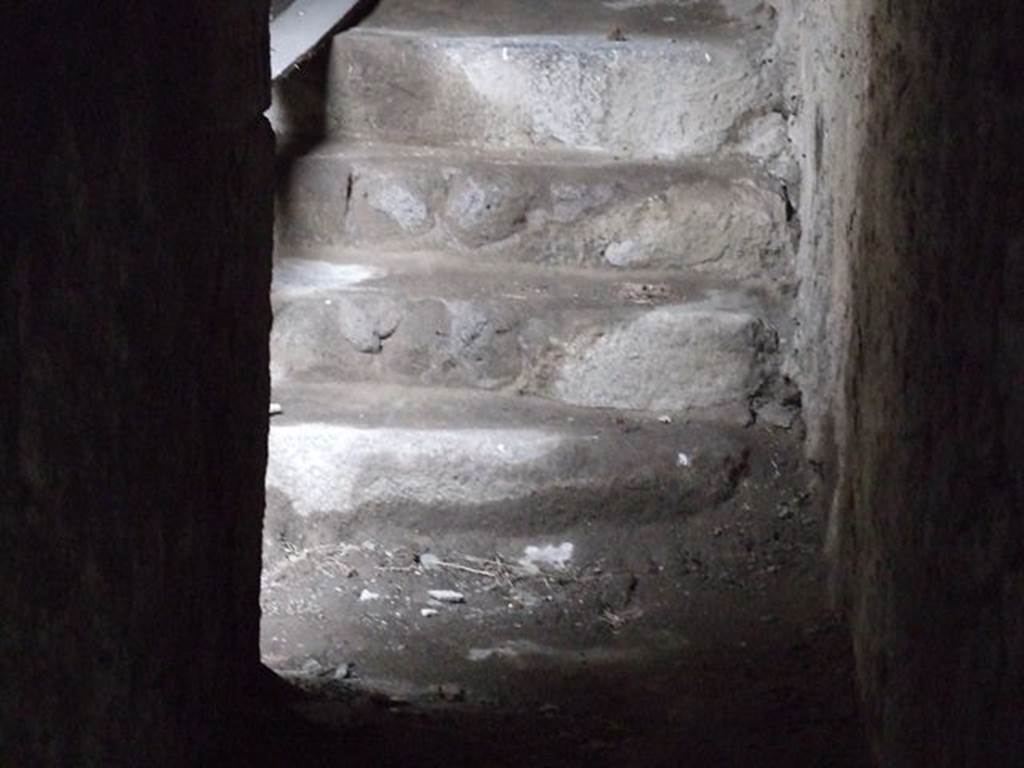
[(663, 18), (624, 78)]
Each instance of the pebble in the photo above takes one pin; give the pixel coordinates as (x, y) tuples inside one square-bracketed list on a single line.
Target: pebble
[(429, 561), (451, 692), (428, 612)]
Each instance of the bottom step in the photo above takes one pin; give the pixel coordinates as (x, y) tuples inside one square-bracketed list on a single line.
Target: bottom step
[(420, 458)]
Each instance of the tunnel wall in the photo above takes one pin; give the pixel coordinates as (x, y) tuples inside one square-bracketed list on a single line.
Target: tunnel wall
[(134, 318), (913, 359)]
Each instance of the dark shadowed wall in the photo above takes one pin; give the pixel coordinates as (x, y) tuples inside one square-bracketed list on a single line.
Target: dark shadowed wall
[(134, 316), (914, 357)]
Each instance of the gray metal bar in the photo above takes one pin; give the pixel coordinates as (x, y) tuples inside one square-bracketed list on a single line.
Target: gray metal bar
[(300, 28)]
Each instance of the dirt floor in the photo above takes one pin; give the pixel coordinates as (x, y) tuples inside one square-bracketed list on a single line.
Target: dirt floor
[(703, 640)]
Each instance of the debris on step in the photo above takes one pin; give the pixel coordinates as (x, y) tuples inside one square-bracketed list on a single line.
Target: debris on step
[(276, 409), (366, 596), (431, 562), (618, 619), (428, 612), (644, 293), (344, 671), (447, 596)]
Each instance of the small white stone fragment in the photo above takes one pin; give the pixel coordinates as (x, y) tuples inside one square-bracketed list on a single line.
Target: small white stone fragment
[(276, 409), (447, 596), (428, 612), (366, 596), (451, 692), (665, 419), (624, 254), (550, 555), (429, 561), (683, 460)]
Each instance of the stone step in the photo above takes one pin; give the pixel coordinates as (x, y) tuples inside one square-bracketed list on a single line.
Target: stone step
[(684, 87), (722, 218), (427, 459), (648, 18), (659, 343)]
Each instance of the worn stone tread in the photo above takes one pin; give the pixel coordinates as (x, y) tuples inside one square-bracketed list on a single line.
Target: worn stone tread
[(600, 92), (667, 18), (585, 337), (724, 217), (418, 457)]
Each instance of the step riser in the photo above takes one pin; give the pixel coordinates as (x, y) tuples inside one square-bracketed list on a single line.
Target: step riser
[(642, 98), (322, 479), (670, 358), (633, 216)]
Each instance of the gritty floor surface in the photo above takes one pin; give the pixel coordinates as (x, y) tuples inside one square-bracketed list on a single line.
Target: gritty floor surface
[(702, 640)]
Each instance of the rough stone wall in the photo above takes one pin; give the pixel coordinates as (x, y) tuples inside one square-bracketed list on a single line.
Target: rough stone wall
[(134, 323), (913, 358), (830, 74)]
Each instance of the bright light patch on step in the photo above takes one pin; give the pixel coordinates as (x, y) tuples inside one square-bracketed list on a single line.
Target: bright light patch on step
[(683, 460), (297, 276), (330, 468)]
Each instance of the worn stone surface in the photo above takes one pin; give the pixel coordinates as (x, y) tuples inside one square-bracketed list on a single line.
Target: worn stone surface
[(912, 341), (670, 359), (719, 218), (633, 18), (440, 461), (593, 340), (486, 207), (134, 315), (549, 92)]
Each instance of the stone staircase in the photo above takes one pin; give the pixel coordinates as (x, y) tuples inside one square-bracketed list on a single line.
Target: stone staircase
[(533, 267)]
